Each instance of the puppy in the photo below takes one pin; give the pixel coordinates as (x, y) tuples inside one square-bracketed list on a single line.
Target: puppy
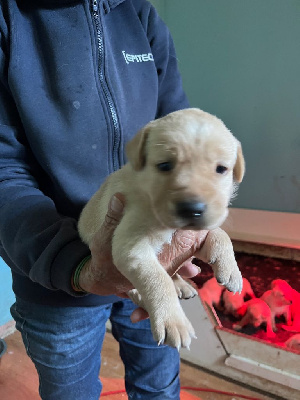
[(211, 293), (278, 304), (256, 312), (233, 301), (293, 342), (181, 173), (285, 291)]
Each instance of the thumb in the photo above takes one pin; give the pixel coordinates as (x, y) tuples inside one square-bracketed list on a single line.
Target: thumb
[(112, 218), (115, 211)]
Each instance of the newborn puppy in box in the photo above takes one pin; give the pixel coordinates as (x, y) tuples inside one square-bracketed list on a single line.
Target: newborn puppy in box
[(283, 290), (181, 173), (256, 312), (233, 301), (279, 305), (293, 342), (211, 293)]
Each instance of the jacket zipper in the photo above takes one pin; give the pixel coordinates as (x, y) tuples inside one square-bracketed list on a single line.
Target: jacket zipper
[(104, 86)]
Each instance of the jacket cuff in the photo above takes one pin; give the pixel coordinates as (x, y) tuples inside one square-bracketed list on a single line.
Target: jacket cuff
[(64, 265)]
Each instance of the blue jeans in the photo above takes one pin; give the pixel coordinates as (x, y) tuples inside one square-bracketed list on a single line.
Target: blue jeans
[(65, 345)]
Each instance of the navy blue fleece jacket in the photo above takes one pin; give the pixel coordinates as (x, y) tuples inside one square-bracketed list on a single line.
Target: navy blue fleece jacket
[(77, 81)]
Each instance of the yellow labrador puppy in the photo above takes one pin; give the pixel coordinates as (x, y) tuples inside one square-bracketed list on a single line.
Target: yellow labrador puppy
[(183, 170)]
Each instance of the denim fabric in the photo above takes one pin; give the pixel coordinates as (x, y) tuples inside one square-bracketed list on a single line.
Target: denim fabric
[(65, 344)]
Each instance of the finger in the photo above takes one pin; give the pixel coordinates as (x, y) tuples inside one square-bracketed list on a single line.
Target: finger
[(139, 314), (189, 270)]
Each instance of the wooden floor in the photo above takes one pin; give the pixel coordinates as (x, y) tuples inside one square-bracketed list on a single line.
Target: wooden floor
[(19, 381)]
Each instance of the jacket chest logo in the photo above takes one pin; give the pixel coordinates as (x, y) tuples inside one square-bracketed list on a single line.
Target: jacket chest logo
[(137, 57)]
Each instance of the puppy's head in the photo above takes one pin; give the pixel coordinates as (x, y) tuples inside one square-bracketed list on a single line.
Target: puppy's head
[(188, 164), (282, 290)]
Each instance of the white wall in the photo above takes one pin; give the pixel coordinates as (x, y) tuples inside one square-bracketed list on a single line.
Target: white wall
[(240, 60)]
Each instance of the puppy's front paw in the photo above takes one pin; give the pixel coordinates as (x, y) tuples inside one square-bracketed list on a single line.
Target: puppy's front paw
[(218, 252), (184, 289), (172, 328), (230, 278), (235, 282)]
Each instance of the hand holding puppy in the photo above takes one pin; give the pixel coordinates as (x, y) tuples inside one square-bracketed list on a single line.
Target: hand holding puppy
[(100, 276)]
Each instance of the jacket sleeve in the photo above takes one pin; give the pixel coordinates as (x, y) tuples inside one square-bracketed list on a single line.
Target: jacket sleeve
[(34, 239), (171, 95)]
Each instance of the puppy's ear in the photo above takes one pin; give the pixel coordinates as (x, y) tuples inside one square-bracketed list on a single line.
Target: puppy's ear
[(136, 149), (239, 168)]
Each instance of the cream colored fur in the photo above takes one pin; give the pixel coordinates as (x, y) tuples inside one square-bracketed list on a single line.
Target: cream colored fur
[(194, 144)]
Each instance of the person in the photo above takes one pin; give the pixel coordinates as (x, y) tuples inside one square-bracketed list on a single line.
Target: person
[(78, 78)]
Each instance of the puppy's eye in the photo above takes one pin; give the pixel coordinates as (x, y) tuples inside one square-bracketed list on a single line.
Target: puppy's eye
[(221, 169), (165, 166)]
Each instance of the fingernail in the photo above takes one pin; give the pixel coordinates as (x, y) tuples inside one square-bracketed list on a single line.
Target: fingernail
[(116, 205)]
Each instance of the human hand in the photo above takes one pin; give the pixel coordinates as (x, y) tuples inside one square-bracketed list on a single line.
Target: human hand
[(176, 257), (99, 274)]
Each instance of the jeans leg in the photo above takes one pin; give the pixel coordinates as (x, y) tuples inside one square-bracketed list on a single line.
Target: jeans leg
[(151, 371), (65, 344)]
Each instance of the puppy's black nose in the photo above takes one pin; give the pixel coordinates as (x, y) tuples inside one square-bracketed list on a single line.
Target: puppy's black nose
[(190, 210)]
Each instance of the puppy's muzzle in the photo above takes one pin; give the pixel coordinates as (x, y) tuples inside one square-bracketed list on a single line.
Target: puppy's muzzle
[(191, 212)]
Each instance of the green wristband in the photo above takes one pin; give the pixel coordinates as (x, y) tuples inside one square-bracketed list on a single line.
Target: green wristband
[(76, 274)]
